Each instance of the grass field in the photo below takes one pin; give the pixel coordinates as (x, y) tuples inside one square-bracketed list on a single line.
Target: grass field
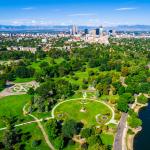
[(13, 106), (107, 139), (22, 80), (71, 110)]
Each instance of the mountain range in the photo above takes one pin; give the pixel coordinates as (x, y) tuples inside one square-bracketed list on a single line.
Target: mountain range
[(67, 28)]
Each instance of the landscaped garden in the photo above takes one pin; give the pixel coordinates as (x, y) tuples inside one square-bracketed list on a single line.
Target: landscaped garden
[(86, 113)]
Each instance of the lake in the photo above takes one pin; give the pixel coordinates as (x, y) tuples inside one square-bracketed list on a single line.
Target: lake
[(142, 139)]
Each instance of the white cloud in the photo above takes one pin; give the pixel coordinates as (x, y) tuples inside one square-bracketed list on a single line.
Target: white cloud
[(82, 14), (28, 8), (126, 8), (57, 10)]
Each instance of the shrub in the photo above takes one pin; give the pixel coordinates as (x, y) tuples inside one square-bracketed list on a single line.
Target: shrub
[(36, 143), (142, 99)]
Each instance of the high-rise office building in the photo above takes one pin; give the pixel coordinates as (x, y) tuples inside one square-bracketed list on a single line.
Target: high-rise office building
[(101, 29), (86, 31), (112, 33), (74, 30), (97, 31)]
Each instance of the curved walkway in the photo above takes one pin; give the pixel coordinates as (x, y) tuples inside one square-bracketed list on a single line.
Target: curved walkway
[(112, 120), (38, 121)]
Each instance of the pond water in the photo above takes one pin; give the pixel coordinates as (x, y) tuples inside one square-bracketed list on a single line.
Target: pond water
[(142, 139)]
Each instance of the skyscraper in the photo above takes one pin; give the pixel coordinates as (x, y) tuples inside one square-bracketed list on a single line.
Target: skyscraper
[(101, 29), (86, 31), (74, 30), (97, 31)]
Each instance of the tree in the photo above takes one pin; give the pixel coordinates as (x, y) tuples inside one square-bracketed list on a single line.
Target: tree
[(36, 143), (85, 133), (69, 128), (59, 143), (124, 71), (52, 128), (134, 122), (2, 83), (84, 86), (24, 72), (144, 87), (122, 106), (1, 145), (95, 147), (127, 97), (46, 89), (142, 99), (121, 90), (31, 91), (130, 89), (63, 88), (11, 135), (94, 139)]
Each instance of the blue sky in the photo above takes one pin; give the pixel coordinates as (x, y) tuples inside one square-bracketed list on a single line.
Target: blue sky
[(80, 12)]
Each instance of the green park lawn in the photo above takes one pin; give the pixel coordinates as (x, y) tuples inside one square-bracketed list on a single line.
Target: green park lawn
[(71, 110), (81, 76), (36, 134), (107, 139), (23, 80), (13, 106), (36, 65)]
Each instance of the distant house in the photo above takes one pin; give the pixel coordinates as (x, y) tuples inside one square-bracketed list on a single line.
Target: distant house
[(147, 67), (21, 48)]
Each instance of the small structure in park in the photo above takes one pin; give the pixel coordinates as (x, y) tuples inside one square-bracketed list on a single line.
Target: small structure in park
[(83, 102)]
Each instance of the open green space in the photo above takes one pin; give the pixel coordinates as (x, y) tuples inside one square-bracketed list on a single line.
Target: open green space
[(13, 106), (72, 110), (107, 139), (36, 65), (22, 80)]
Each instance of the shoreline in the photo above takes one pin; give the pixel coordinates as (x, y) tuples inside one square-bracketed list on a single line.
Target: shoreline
[(130, 137)]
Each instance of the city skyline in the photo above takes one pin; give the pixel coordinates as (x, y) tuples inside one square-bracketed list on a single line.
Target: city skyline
[(66, 12)]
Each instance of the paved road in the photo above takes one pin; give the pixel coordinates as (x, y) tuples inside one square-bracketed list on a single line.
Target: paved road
[(118, 143)]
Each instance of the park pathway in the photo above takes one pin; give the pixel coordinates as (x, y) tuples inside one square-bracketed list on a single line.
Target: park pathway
[(41, 127), (43, 132)]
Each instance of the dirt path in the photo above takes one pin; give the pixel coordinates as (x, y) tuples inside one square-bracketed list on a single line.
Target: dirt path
[(43, 132), (41, 127)]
